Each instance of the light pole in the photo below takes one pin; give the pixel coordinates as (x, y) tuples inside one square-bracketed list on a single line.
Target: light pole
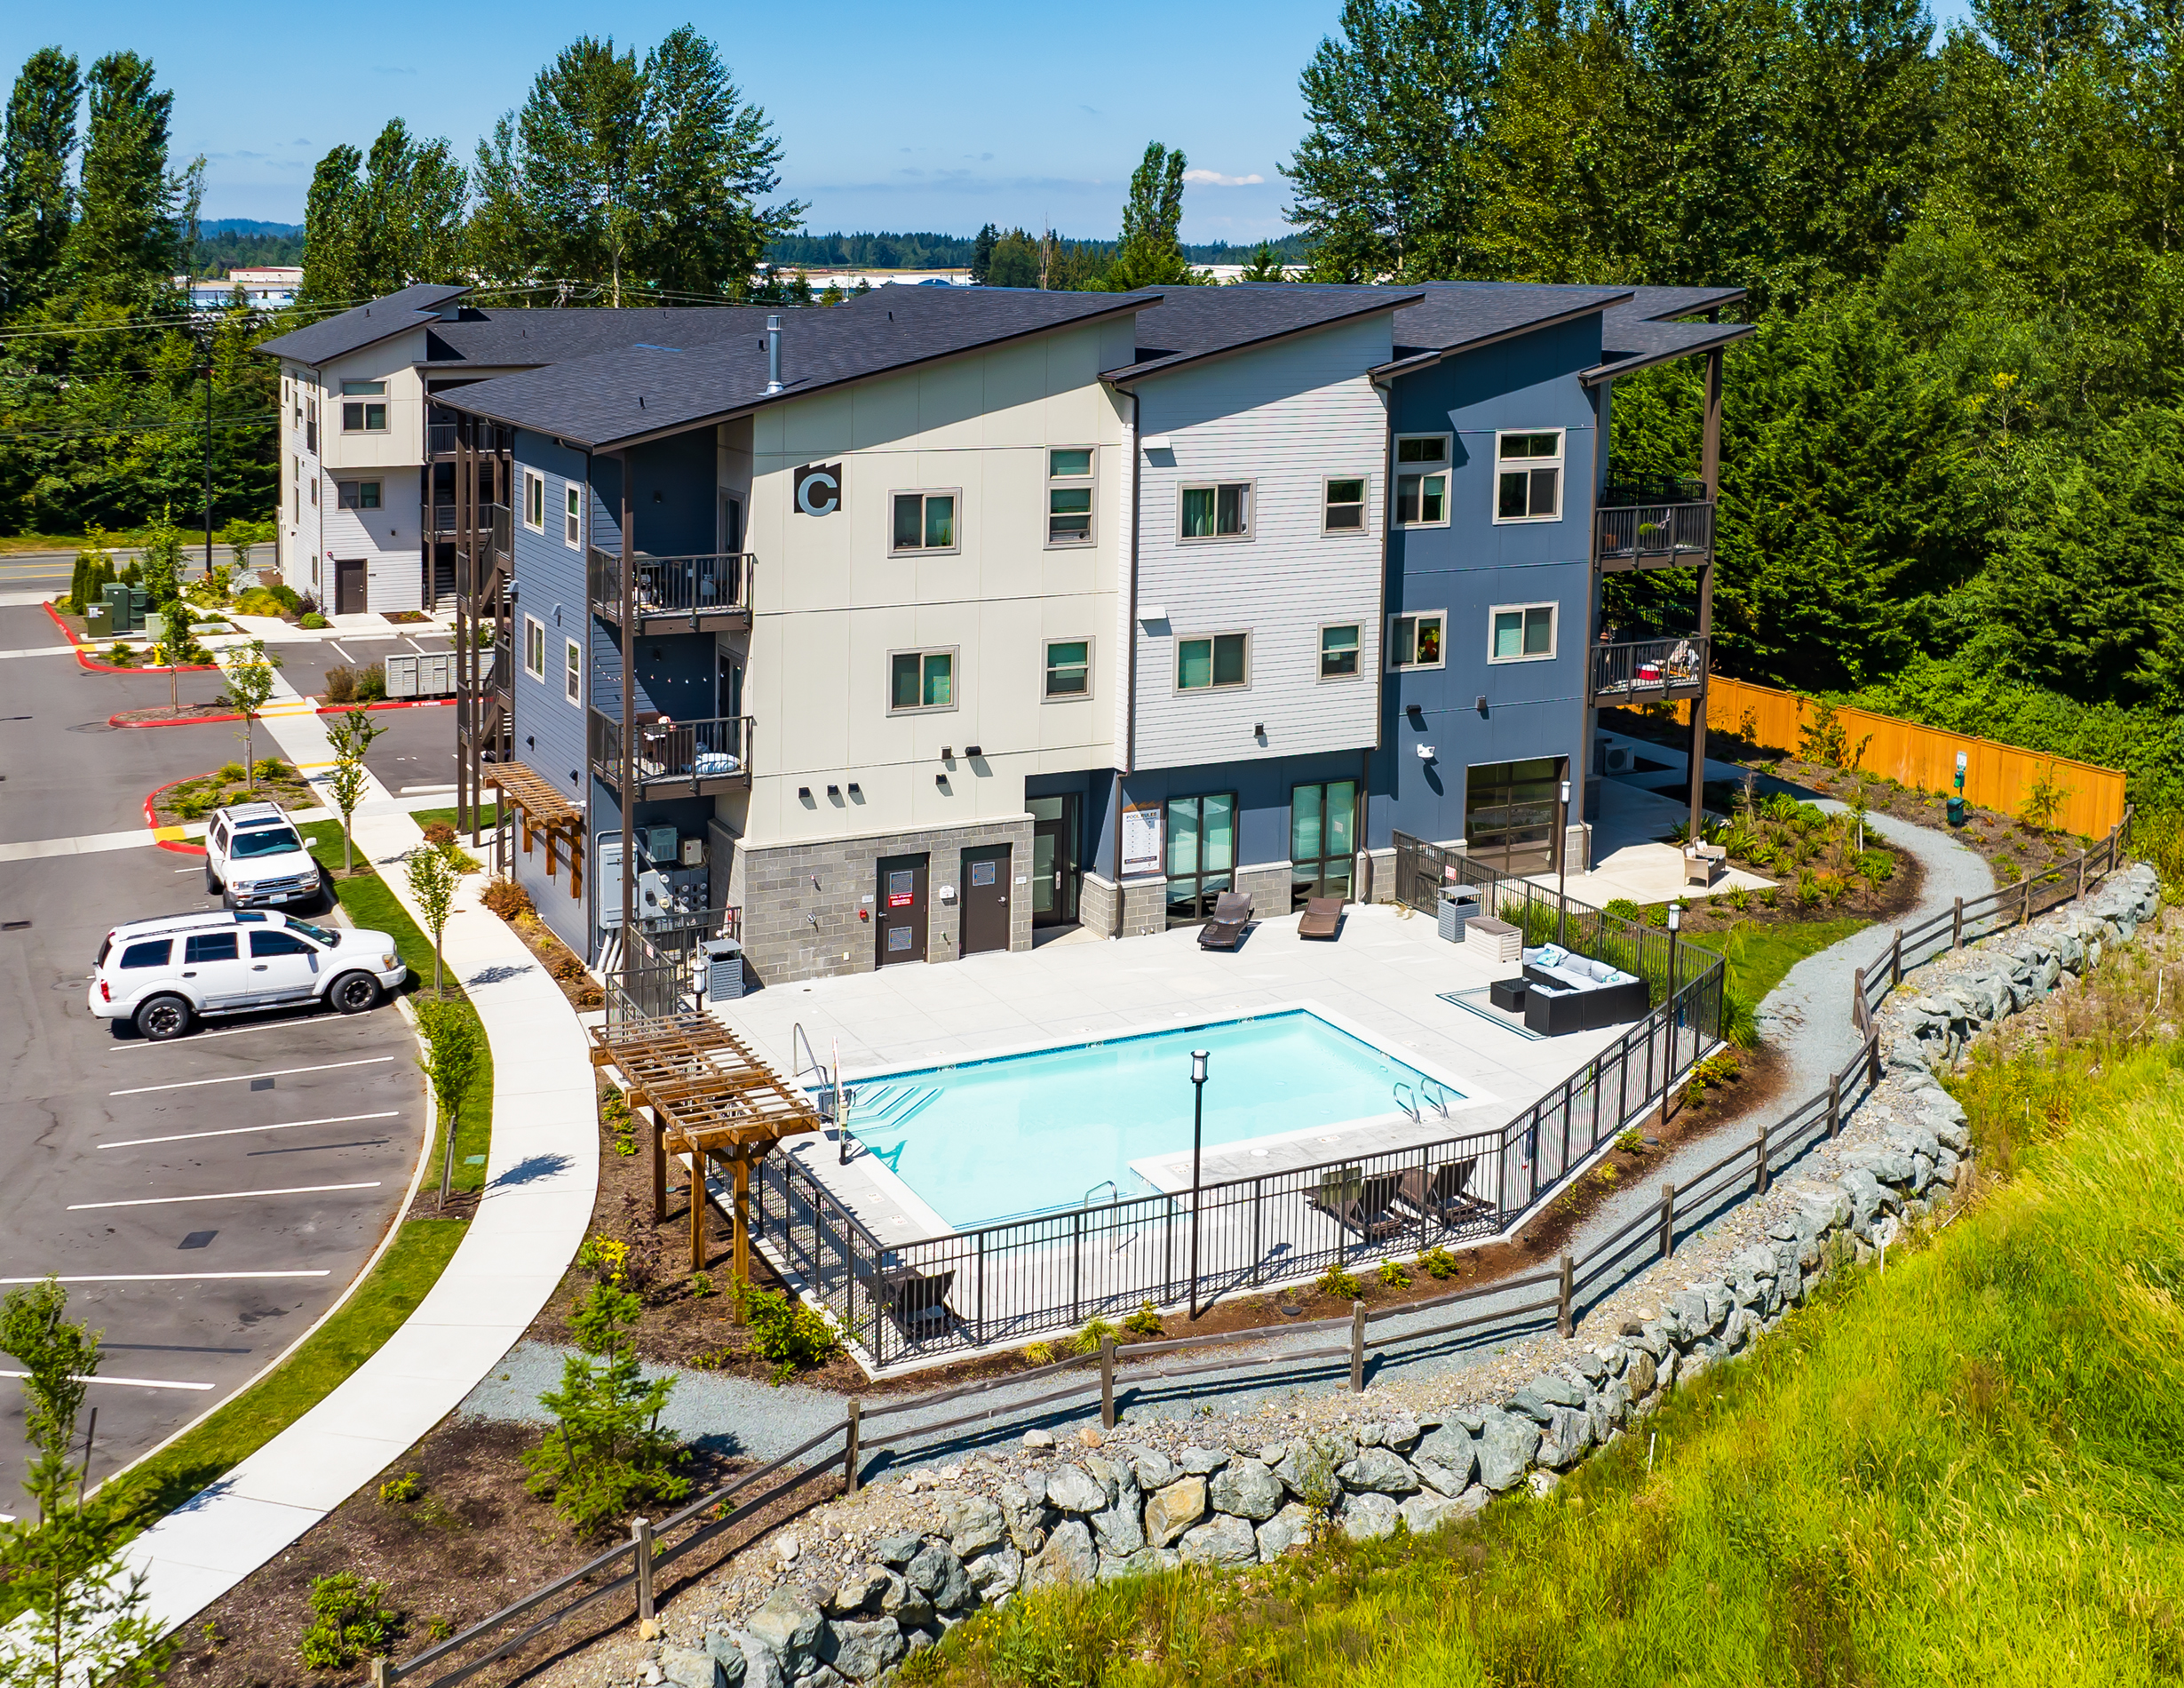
[(1675, 1014), (1197, 1145), (1561, 869)]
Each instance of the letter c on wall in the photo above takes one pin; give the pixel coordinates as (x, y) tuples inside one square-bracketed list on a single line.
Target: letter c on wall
[(819, 488)]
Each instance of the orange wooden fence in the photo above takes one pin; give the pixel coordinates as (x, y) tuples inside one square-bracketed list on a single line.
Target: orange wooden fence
[(1996, 777)]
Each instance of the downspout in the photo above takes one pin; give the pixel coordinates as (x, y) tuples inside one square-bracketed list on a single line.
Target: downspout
[(1363, 890), (625, 786), (1130, 636)]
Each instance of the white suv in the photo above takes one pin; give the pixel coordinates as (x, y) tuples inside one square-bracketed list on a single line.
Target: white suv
[(254, 854), (160, 975)]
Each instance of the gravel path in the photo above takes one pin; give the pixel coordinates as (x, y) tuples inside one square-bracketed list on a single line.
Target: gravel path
[(1808, 1014)]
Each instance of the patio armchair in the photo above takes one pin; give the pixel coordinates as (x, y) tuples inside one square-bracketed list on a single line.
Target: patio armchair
[(1703, 863), (1441, 1193), (1360, 1203), (1232, 913)]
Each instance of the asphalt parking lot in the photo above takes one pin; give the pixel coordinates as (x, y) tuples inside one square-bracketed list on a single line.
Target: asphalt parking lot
[(210, 1198)]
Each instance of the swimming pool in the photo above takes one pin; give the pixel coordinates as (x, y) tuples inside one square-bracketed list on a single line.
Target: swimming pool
[(1012, 1134)]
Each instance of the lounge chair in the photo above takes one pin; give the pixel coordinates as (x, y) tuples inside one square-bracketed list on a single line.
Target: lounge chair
[(1441, 1193), (1232, 913), (1323, 918), (918, 1301), (1360, 1203)]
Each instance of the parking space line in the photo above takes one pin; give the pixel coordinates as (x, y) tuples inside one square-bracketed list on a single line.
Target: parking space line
[(165, 1278), (225, 1195), (239, 1131), (285, 1023), (278, 1072), (129, 1382)]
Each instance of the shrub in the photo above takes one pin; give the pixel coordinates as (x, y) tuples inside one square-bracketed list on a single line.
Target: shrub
[(120, 656), (401, 1491), (701, 1284), (371, 684), (605, 1257), (340, 685), (349, 1622), (1770, 896), (792, 1335), (1622, 908), (1440, 1264), (507, 899), (1087, 1341), (232, 771), (606, 1451), (1631, 1141), (1144, 1322), (1336, 1281), (1393, 1276), (439, 833), (314, 621), (273, 767), (1039, 1354)]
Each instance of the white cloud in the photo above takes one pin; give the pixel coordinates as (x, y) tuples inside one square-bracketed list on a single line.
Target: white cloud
[(1214, 178)]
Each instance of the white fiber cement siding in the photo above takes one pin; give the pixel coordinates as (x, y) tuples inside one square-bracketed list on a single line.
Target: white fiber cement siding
[(1286, 418), (831, 604)]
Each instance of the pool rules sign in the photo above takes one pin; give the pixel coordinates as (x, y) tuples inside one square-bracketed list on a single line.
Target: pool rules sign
[(1140, 838)]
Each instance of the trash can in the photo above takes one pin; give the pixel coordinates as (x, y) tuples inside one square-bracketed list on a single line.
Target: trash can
[(724, 970), (1457, 904), (1956, 811)]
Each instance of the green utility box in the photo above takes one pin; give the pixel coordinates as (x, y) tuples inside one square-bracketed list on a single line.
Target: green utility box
[(119, 604), (95, 617)]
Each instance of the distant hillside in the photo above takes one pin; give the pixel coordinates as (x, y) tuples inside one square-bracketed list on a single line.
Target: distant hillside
[(243, 243)]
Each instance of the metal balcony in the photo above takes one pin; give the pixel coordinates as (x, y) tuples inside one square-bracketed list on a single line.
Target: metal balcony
[(1652, 536), (1649, 671), (675, 758), (708, 593)]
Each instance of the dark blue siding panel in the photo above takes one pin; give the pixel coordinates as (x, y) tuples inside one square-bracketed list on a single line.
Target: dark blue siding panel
[(1262, 792)]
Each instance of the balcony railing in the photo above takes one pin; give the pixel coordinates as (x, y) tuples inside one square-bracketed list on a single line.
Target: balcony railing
[(676, 757), (1649, 671), (1652, 536), (711, 592), (440, 439), (503, 541)]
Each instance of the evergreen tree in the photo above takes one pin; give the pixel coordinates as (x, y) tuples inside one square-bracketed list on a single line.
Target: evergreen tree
[(36, 199), (983, 254), (606, 1451), (1265, 265)]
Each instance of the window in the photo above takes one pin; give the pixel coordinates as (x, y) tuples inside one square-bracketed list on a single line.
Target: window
[(1220, 512), (211, 946), (154, 954), (1346, 507), (1523, 633), (278, 943), (358, 495), (572, 670), (1070, 495), (363, 389), (1322, 840), (533, 502), (1069, 667), (365, 417), (572, 515), (1220, 660), (1529, 476), (1414, 641), (266, 840), (1339, 649), (534, 647), (921, 680), (1422, 479), (1201, 855), (924, 521)]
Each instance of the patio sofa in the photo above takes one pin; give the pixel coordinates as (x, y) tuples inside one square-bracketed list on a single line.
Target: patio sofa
[(1565, 991)]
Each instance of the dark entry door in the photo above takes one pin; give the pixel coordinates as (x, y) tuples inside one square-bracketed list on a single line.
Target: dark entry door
[(902, 918), (984, 889), (348, 585), (1054, 868)]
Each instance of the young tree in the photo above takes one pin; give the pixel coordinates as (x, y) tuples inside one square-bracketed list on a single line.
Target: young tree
[(36, 199), (250, 683), (351, 736), (432, 882), (1265, 265), (454, 1046), (82, 1616), (606, 1451)]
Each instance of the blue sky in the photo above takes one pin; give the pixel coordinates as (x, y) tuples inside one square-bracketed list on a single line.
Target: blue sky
[(893, 116)]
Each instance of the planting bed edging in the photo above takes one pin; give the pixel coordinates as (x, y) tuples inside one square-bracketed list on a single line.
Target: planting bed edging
[(887, 1571)]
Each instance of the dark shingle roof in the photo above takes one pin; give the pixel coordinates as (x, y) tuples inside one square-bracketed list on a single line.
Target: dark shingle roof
[(639, 389), (1644, 332), (367, 324), (1195, 322), (526, 338), (1456, 316)]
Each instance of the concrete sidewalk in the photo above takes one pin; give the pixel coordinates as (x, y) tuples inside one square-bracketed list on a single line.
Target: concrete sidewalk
[(541, 1174)]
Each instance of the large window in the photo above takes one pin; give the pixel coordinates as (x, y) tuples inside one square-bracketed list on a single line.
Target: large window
[(1338, 651), (533, 502), (534, 647), (572, 671), (924, 521), (1521, 633), (1201, 855), (358, 495), (1070, 495), (1322, 840), (921, 680), (1528, 479), (1414, 641), (1219, 511), (1069, 667), (363, 407), (1220, 659), (1422, 479), (572, 514), (1344, 507)]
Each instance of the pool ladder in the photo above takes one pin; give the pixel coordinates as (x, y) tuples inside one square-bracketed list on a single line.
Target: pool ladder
[(1429, 1094)]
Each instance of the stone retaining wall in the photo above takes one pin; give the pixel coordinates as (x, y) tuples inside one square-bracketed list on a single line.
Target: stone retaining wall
[(1062, 1513)]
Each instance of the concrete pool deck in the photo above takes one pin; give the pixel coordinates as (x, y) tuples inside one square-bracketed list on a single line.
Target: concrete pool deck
[(1384, 974)]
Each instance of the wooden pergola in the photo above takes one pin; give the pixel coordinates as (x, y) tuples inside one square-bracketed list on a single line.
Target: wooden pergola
[(710, 1097), (542, 808)]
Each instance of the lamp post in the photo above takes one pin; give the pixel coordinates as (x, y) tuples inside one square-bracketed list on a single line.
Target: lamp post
[(1561, 869), (1675, 1017), (1197, 1144)]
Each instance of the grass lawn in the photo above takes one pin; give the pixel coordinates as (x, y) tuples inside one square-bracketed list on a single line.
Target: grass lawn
[(244, 1425), (1968, 1468), (1766, 953), (425, 817)]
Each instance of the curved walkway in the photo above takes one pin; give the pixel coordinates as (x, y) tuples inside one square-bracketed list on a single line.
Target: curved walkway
[(542, 1172)]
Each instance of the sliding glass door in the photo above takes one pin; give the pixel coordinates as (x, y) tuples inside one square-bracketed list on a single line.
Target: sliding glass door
[(1201, 855), (1322, 840)]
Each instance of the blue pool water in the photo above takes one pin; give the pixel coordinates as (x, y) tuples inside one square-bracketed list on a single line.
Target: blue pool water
[(981, 1139)]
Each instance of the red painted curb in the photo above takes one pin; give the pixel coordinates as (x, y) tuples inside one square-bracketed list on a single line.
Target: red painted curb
[(180, 847), (98, 667)]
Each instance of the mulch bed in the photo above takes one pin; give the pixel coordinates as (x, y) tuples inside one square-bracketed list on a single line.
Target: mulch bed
[(166, 713), (473, 1539), (289, 788)]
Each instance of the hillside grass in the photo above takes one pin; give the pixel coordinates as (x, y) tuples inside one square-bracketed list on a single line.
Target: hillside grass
[(1965, 1469), (1770, 949)]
